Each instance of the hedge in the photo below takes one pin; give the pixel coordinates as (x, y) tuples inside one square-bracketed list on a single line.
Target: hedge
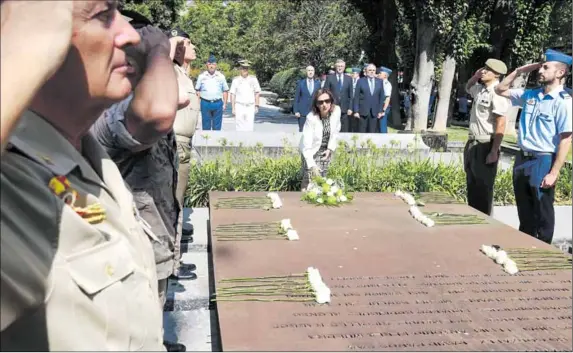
[(250, 169), (283, 83)]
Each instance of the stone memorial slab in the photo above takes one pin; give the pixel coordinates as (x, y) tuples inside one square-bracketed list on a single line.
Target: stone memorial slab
[(396, 284)]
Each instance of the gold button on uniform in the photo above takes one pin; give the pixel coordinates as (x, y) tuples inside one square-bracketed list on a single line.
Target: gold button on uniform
[(109, 270)]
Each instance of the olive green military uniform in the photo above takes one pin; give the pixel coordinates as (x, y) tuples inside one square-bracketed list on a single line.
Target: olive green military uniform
[(480, 177), (73, 277)]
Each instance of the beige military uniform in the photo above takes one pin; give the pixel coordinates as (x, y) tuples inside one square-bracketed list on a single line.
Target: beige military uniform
[(184, 126), (72, 281), (486, 106), (245, 89)]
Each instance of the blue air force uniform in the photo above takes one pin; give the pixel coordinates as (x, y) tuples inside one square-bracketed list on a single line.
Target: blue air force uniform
[(213, 89), (543, 118)]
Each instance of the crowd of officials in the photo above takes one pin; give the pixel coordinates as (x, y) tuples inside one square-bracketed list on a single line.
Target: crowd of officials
[(95, 158)]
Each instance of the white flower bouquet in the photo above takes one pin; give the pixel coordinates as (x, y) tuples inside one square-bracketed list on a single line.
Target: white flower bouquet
[(533, 259), (326, 192), (303, 287)]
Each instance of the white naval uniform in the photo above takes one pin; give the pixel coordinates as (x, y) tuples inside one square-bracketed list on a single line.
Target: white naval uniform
[(244, 90)]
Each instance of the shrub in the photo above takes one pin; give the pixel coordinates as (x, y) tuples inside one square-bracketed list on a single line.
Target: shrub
[(283, 83), (376, 170)]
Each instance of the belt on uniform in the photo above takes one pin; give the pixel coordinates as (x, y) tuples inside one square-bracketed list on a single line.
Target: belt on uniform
[(211, 100), (535, 154), (182, 139), (480, 138)]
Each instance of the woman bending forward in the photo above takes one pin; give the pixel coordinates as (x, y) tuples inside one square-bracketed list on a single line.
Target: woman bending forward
[(319, 136)]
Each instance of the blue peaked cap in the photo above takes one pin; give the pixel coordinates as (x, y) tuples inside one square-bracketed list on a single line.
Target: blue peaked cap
[(386, 70), (355, 69), (212, 59), (554, 55)]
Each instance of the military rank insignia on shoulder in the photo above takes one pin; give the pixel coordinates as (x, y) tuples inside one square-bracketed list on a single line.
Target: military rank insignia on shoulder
[(531, 101), (565, 95)]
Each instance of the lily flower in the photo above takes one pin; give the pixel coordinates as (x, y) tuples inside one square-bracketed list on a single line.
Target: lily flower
[(292, 234), (286, 225)]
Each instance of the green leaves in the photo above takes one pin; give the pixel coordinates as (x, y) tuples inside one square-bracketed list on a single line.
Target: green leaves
[(371, 170)]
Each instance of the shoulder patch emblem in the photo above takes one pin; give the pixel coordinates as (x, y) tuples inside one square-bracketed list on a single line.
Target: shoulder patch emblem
[(531, 101)]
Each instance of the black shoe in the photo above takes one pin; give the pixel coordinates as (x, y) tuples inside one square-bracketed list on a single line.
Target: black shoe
[(187, 267), (174, 347), (186, 232), (183, 273)]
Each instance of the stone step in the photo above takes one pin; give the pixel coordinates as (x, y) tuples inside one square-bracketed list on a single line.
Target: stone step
[(187, 317)]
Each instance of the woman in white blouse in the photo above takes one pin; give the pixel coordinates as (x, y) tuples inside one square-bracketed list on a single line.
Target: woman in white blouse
[(319, 136)]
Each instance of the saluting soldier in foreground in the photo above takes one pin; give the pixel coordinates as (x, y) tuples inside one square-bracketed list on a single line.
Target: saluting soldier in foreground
[(544, 139), (487, 127), (78, 270)]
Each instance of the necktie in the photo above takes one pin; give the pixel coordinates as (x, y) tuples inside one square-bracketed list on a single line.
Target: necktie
[(310, 87), (371, 83), (339, 82)]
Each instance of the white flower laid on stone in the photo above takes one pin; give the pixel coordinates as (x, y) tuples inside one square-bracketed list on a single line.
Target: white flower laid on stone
[(275, 199), (408, 198), (286, 224), (421, 217), (287, 227), (292, 234), (326, 192), (343, 198), (319, 288), (329, 181), (501, 258)]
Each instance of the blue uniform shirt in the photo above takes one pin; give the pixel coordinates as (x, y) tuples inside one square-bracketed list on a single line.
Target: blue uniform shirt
[(543, 118), (211, 86)]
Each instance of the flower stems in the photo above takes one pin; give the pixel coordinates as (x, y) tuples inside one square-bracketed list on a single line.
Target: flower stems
[(250, 231), (244, 202), (295, 287)]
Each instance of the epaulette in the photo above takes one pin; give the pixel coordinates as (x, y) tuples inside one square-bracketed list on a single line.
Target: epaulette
[(565, 95)]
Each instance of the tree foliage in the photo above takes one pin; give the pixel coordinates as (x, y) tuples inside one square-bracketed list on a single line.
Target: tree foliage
[(275, 35), (161, 12)]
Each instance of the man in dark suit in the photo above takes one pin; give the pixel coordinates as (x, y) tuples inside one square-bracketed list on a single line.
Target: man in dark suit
[(353, 121), (340, 85), (305, 90), (369, 101)]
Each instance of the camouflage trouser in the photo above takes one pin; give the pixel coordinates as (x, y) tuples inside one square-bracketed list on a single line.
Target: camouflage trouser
[(184, 153)]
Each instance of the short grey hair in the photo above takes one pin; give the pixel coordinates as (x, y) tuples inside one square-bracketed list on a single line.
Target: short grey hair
[(340, 61), (309, 67), (371, 66)]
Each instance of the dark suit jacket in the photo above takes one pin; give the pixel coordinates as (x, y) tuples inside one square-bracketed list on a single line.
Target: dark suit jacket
[(303, 98), (366, 103), (342, 97)]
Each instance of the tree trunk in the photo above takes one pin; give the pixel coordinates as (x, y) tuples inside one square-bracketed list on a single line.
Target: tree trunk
[(445, 93), (423, 71)]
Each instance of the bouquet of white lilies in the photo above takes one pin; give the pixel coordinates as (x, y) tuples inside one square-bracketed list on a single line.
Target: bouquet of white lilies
[(275, 199), (287, 228), (328, 192)]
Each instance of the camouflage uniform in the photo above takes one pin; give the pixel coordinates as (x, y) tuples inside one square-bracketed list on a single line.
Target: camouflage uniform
[(151, 174)]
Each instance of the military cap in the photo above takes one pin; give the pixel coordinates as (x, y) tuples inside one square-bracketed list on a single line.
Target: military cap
[(356, 69), (212, 59), (554, 55), (135, 19), (497, 66), (385, 69), (178, 32), (244, 63)]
